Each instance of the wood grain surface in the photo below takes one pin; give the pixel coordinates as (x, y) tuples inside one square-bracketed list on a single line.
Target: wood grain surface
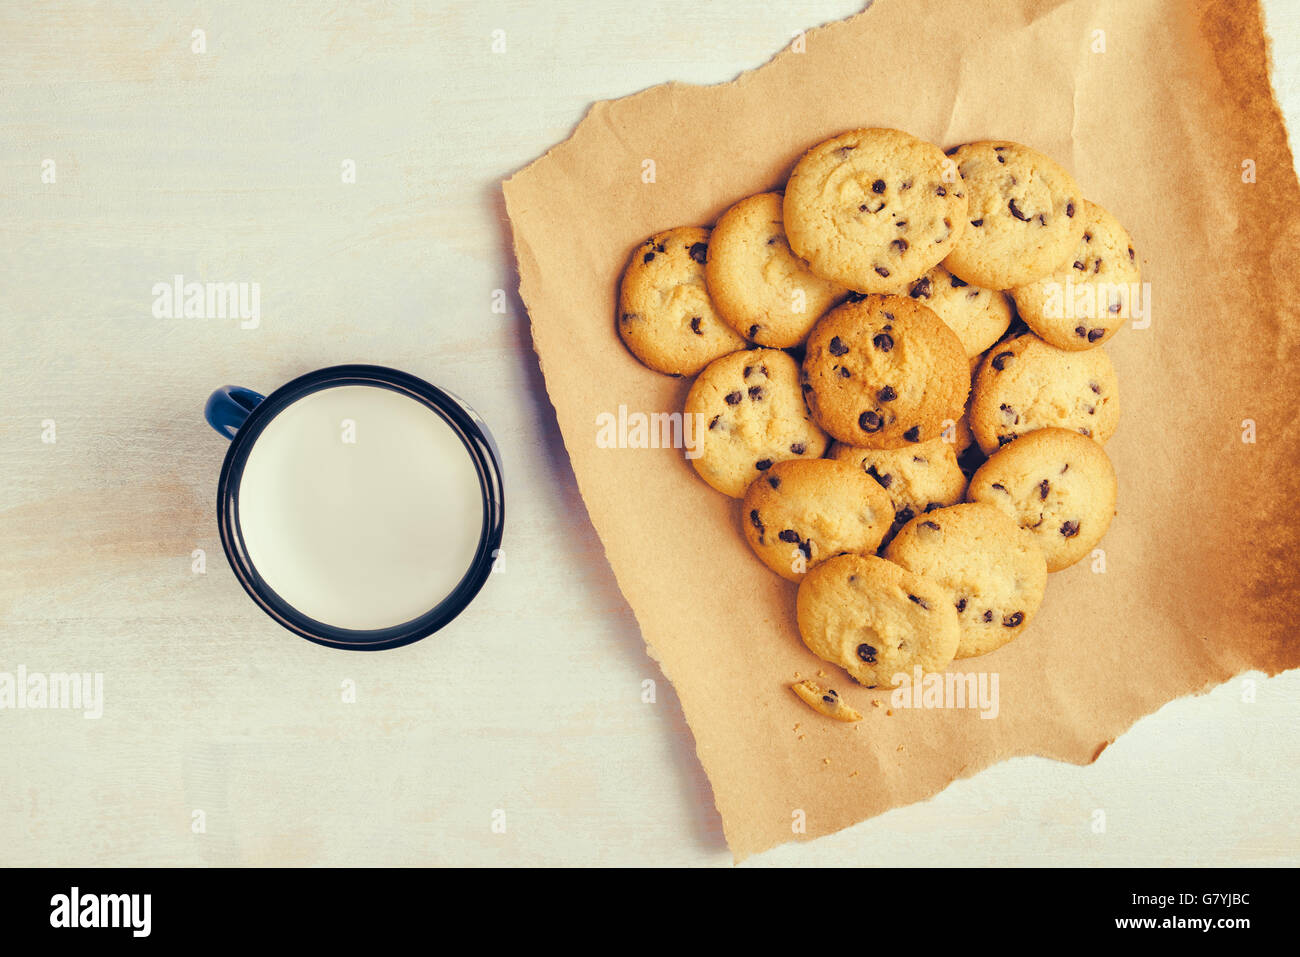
[(225, 740)]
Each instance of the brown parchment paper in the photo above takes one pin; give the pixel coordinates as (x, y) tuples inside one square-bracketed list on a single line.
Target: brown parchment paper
[(1200, 580)]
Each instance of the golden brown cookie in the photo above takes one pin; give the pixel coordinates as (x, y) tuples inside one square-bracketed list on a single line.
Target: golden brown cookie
[(1024, 215), (1058, 485), (1092, 294), (884, 372), (1025, 384), (754, 417), (916, 478), (990, 570), (802, 512), (665, 315), (872, 209), (760, 287), (876, 620), (978, 316)]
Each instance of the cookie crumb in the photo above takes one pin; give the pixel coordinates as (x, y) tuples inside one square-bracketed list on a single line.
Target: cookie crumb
[(824, 701)]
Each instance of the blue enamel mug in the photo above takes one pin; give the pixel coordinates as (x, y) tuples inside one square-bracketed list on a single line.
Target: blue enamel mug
[(359, 506)]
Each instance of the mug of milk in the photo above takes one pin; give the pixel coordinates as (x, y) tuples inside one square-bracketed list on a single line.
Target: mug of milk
[(359, 506)]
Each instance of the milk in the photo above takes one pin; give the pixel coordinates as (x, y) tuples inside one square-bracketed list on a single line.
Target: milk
[(360, 507)]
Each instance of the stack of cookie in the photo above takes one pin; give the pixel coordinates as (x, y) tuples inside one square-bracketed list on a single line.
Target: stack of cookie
[(907, 450)]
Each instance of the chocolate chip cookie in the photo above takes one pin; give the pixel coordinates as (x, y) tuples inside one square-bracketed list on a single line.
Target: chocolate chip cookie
[(917, 479), (759, 286), (802, 512), (872, 209), (884, 372), (1025, 384), (1057, 485), (876, 620), (754, 417), (1092, 294), (665, 315), (978, 316), (990, 571), (1024, 215)]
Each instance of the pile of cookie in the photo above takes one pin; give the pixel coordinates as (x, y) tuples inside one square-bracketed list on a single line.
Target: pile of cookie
[(897, 363)]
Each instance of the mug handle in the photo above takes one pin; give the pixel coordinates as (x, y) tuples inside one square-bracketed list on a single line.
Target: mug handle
[(229, 406)]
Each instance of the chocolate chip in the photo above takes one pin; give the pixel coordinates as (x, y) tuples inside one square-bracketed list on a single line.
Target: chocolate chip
[(798, 448), (913, 434), (988, 615), (1002, 159), (887, 394), (1095, 334), (628, 316), (756, 393), (1078, 265), (999, 486), (1130, 254), (921, 288), (753, 332), (878, 186), (940, 190), (885, 480), (882, 271), (647, 257), (1115, 307), (1014, 620), (695, 325), (755, 520), (1043, 488), (830, 698), (1070, 529), (904, 515), (867, 654), (919, 601), (1087, 432), (1042, 219), (844, 373), (977, 222), (1087, 237), (958, 283), (791, 536), (931, 525), (1004, 439), (713, 422), (749, 370), (899, 245), (773, 481), (733, 398), (961, 604), (763, 464), (806, 548), (1008, 412), (1015, 211), (869, 422), (837, 347), (1069, 210), (700, 252), (883, 341), (901, 224), (1094, 387), (1080, 331)]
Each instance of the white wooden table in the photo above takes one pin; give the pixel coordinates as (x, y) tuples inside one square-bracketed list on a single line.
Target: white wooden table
[(225, 740)]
